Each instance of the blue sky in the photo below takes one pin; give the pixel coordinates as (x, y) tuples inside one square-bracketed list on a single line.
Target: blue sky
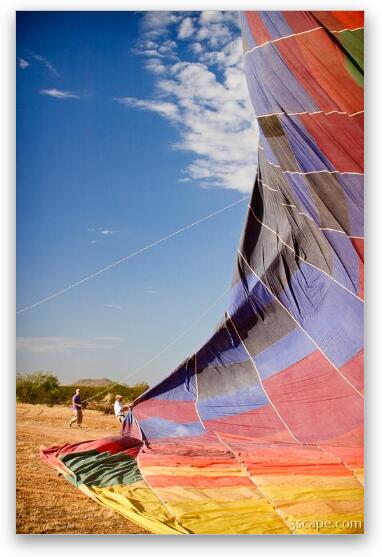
[(130, 125)]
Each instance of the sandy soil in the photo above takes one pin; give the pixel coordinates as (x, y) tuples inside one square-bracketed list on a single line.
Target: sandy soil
[(45, 502)]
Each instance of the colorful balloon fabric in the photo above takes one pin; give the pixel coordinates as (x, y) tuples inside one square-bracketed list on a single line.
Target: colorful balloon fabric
[(261, 431)]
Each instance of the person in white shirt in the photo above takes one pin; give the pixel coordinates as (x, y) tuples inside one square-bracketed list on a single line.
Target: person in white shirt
[(119, 408)]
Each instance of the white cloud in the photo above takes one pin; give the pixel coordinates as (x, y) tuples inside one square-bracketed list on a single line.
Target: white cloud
[(113, 306), (23, 63), (204, 95), (166, 109), (59, 94), (155, 66), (45, 62), (167, 48), (210, 16), (196, 48), (186, 28), (156, 23), (64, 345), (106, 232)]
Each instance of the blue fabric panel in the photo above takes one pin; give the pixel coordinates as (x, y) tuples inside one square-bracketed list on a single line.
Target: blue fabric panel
[(180, 385), (158, 427), (240, 291), (231, 404), (334, 324), (292, 348)]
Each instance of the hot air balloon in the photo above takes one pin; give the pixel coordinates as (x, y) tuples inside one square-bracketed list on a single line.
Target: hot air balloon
[(261, 430)]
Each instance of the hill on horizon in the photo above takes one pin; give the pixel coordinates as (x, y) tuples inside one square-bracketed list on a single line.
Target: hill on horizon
[(103, 382)]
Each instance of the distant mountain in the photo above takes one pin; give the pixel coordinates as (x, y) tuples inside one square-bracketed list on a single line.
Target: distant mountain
[(92, 382)]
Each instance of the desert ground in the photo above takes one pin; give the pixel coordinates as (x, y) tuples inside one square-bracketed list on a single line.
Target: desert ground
[(45, 502)]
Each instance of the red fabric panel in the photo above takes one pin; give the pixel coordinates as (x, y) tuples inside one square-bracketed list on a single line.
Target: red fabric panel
[(262, 423), (185, 460), (349, 19), (180, 411), (361, 287), (324, 76), (336, 21), (314, 399), (113, 445), (353, 370), (334, 134), (328, 20), (300, 21), (259, 32), (348, 447), (358, 244), (306, 460), (295, 469)]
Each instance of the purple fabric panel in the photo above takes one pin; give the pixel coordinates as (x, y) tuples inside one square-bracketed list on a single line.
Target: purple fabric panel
[(271, 78), (249, 38), (276, 24), (262, 103), (308, 155), (302, 195), (345, 260), (353, 188)]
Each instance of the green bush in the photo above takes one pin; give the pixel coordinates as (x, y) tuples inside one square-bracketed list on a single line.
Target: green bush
[(44, 388), (38, 388)]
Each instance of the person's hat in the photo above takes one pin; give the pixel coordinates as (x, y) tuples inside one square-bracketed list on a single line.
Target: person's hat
[(119, 396)]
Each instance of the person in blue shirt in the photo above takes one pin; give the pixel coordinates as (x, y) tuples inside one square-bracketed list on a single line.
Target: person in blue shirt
[(77, 409)]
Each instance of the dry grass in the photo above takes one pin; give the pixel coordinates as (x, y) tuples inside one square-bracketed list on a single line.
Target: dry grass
[(46, 503)]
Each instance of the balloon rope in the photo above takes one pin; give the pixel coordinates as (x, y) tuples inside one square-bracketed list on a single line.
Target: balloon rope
[(129, 256), (169, 345)]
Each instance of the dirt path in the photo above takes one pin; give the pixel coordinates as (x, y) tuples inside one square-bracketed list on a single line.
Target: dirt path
[(45, 502)]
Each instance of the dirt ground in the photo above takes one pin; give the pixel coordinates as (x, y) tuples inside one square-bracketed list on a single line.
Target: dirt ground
[(45, 502)]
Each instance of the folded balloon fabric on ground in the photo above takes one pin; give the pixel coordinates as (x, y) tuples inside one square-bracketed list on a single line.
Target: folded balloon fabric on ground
[(261, 431)]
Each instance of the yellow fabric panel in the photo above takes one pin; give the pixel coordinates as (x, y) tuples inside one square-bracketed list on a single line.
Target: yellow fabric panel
[(305, 493), (183, 494), (321, 509), (230, 517), (138, 503), (192, 471), (247, 516)]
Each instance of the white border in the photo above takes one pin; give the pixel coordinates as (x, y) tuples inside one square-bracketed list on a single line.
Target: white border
[(223, 545)]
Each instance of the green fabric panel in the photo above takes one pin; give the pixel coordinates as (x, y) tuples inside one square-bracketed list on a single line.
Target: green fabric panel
[(352, 42), (354, 71), (101, 469)]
